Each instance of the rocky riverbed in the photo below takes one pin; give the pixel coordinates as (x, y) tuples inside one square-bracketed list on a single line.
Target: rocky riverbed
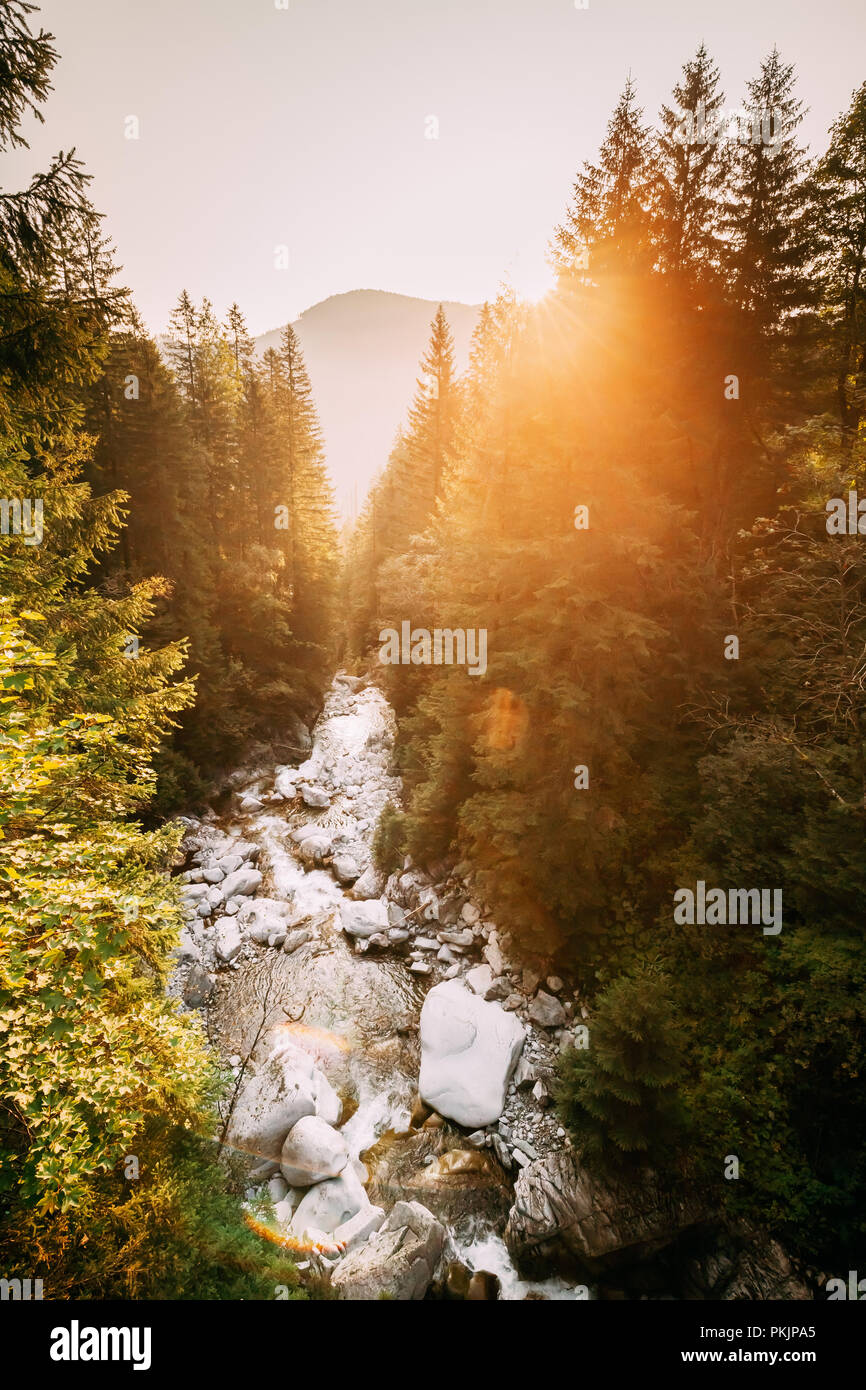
[(392, 1060)]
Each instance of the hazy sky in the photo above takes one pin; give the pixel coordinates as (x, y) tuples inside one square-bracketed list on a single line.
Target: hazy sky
[(307, 127)]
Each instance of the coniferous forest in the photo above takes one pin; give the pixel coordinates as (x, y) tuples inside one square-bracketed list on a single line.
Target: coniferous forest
[(640, 814)]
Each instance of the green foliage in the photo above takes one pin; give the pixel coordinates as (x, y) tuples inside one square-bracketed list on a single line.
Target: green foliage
[(620, 1096), (389, 839), (175, 1231), (685, 269)]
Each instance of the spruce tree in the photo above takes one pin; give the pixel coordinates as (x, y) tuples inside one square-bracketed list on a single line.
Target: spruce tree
[(620, 1096), (608, 222), (692, 160), (840, 180)]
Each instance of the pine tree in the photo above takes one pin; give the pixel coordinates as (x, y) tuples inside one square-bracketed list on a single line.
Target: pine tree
[(608, 223), (692, 164), (767, 233), (840, 179), (620, 1096), (56, 296)]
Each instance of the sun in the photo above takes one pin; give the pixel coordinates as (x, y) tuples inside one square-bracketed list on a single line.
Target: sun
[(530, 273)]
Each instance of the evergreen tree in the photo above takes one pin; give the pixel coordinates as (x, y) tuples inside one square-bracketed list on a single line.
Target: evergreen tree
[(692, 164), (840, 179), (619, 1096), (608, 223), (767, 233)]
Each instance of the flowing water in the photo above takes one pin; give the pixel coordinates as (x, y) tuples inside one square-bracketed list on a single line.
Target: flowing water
[(356, 1014)]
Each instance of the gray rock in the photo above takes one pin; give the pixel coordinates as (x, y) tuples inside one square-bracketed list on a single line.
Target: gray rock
[(214, 875), (371, 884), (272, 1099), (560, 1211), (363, 918), (250, 804), (493, 955), (525, 1148), (314, 848), (294, 939), (502, 1151), (398, 1261), (479, 978), (451, 937), (303, 832), (198, 988), (229, 863), (194, 892), (546, 1011), (241, 884), (284, 783), (278, 1188), (345, 869), (314, 797), (228, 939), (541, 1095), (188, 948), (525, 1074), (262, 917), (354, 1232)]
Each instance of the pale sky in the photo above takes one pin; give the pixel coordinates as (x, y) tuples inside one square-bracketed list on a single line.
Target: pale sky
[(306, 127)]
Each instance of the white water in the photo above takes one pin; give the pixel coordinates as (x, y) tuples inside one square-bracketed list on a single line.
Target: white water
[(356, 1015)]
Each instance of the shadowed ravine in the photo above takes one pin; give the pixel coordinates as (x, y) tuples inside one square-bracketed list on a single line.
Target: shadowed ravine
[(351, 1009)]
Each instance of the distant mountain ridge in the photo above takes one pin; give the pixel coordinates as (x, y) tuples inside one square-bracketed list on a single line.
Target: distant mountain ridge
[(362, 351)]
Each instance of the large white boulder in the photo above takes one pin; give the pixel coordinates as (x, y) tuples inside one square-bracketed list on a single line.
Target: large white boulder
[(313, 1151), (270, 1103), (284, 1089), (469, 1049), (329, 1107), (364, 918), (330, 1204)]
